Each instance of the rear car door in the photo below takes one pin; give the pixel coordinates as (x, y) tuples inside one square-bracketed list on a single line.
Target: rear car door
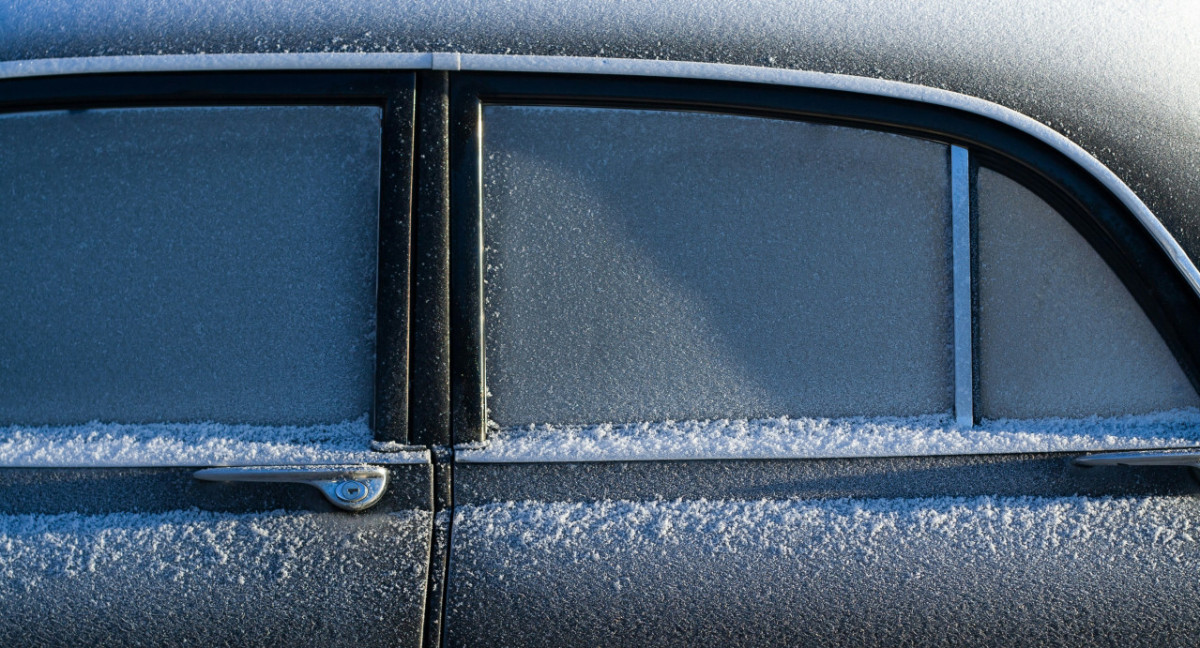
[(208, 272), (743, 365)]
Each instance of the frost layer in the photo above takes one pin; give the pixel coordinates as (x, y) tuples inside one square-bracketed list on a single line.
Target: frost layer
[(827, 438), (834, 527), (940, 571), (201, 578), (191, 444)]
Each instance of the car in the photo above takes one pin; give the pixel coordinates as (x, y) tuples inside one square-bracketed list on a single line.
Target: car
[(527, 324)]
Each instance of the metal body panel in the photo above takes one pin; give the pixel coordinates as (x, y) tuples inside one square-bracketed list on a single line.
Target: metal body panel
[(906, 551), (154, 556), (858, 572)]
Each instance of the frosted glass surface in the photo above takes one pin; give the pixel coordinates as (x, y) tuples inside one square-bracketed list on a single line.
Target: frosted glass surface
[(1059, 335), (185, 264), (645, 265)]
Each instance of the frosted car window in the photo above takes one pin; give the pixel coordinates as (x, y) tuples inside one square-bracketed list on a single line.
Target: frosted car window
[(1059, 334), (652, 265), (185, 264)]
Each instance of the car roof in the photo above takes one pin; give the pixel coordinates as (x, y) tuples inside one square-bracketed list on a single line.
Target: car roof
[(1114, 77)]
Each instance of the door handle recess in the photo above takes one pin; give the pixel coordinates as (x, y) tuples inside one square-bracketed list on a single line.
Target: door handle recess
[(1188, 457), (350, 488)]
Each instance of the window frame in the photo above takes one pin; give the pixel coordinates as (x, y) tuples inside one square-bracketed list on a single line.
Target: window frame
[(1111, 229), (393, 92), (431, 227)]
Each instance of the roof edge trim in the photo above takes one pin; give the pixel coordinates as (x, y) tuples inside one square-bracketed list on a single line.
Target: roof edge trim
[(454, 61)]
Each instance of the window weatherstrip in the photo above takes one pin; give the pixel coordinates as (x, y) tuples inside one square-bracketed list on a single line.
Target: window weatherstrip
[(960, 205)]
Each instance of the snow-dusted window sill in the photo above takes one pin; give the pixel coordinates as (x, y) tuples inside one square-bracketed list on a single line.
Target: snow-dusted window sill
[(818, 438), (194, 444)]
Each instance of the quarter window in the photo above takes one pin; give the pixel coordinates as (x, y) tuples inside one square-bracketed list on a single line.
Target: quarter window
[(1059, 334)]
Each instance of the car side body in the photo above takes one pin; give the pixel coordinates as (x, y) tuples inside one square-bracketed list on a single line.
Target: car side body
[(569, 458)]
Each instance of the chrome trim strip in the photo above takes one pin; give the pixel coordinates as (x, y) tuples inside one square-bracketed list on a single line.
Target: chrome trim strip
[(1184, 457), (422, 458), (631, 67), (960, 207), (475, 454)]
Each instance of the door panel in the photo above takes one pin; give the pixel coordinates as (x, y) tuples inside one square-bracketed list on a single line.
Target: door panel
[(908, 551), (198, 271), (653, 278), (150, 557)]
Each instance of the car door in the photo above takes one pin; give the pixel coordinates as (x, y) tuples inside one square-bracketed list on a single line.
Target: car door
[(745, 365), (206, 275)]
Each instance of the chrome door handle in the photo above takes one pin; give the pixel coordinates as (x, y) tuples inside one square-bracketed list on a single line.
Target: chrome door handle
[(351, 488), (1188, 457)]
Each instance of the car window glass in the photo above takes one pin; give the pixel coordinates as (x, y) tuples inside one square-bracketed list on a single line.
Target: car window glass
[(188, 264), (1059, 334), (653, 265)]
